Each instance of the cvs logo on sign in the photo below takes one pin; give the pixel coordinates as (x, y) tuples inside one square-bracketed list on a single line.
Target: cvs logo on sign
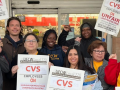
[(115, 5), (33, 68), (64, 83)]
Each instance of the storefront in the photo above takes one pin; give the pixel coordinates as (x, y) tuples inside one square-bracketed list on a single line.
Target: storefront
[(48, 14)]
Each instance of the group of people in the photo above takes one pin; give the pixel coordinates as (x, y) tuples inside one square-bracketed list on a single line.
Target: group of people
[(84, 53)]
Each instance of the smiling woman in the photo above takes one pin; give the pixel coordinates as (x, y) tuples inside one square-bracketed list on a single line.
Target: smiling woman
[(49, 47), (97, 50), (31, 45), (75, 60)]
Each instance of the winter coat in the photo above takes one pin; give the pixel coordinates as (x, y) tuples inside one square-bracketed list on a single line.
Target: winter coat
[(11, 48)]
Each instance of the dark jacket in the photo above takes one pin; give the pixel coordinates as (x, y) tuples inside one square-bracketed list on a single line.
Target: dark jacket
[(11, 48), (100, 72), (13, 63), (56, 55), (4, 67), (84, 42)]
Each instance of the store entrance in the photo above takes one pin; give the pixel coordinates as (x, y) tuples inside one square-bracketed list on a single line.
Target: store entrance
[(38, 24)]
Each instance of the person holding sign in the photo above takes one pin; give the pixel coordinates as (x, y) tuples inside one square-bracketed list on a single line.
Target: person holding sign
[(12, 45), (97, 50), (4, 65), (74, 59), (86, 31), (112, 71), (49, 47), (31, 45)]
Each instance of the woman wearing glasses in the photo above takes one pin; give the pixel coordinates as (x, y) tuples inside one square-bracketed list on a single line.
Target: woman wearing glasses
[(97, 50), (31, 45)]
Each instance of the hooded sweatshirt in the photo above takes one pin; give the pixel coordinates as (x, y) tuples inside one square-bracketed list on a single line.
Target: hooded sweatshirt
[(11, 48), (56, 55), (85, 42)]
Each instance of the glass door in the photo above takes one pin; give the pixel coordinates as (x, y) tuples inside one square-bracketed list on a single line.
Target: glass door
[(76, 20), (37, 21)]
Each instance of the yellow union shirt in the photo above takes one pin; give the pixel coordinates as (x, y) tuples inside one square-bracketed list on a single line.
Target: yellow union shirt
[(37, 53), (118, 80), (97, 65)]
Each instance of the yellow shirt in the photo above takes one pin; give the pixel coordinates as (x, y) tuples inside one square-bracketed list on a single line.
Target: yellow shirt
[(37, 53), (118, 80), (97, 65)]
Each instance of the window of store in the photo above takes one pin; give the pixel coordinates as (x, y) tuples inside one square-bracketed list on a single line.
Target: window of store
[(39, 23), (76, 20)]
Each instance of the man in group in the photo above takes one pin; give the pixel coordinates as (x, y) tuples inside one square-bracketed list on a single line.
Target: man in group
[(12, 45), (86, 38)]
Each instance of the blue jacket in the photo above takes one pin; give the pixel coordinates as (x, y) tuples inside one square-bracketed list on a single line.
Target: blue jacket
[(56, 55)]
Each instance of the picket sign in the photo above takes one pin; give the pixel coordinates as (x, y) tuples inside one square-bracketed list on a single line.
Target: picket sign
[(3, 10), (117, 88), (61, 78), (109, 17), (33, 72)]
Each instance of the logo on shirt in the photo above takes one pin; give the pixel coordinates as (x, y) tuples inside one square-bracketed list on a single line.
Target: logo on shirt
[(54, 56)]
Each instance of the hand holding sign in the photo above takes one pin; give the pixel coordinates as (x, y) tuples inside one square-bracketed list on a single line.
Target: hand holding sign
[(14, 70), (113, 56), (67, 28), (50, 64), (78, 39), (65, 79), (64, 48), (33, 72)]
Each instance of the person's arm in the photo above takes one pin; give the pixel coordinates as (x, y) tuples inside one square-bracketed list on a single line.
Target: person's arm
[(62, 38), (77, 41), (112, 71), (4, 63), (13, 69)]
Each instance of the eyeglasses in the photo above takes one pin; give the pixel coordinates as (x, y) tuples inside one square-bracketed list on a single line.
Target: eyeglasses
[(98, 51), (33, 41)]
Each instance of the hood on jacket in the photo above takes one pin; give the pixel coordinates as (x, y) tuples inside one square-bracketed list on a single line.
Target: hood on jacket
[(91, 28), (15, 44)]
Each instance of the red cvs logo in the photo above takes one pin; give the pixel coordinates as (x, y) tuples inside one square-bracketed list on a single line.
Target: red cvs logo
[(33, 68), (115, 5), (64, 83), (0, 2)]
